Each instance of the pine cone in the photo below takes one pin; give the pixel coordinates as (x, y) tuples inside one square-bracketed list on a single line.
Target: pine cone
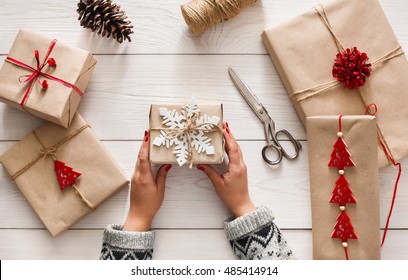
[(106, 18)]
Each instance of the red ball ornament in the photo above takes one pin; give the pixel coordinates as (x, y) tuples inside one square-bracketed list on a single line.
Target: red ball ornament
[(351, 68)]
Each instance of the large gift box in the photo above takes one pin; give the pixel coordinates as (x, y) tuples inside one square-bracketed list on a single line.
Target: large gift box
[(357, 190), (63, 173), (45, 77), (304, 50), (186, 134)]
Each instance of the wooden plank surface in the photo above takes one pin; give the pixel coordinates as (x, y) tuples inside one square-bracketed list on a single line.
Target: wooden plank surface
[(165, 63), (202, 244), (117, 100), (160, 28)]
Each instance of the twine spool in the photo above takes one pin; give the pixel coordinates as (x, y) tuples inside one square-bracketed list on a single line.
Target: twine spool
[(203, 14)]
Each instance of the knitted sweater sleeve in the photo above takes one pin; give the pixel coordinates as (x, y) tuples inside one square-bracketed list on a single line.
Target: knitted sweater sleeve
[(126, 245), (254, 236)]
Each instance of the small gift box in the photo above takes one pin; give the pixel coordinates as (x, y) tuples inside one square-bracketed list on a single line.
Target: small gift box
[(310, 53), (44, 77), (63, 173), (344, 187), (186, 134)]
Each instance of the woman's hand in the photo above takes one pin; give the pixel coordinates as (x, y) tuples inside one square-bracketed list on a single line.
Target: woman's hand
[(231, 187), (147, 193)]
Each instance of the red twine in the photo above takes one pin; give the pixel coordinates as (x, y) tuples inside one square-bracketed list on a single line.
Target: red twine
[(35, 76), (351, 68), (394, 195)]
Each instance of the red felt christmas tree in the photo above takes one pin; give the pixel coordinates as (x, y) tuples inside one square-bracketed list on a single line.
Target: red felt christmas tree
[(66, 175), (343, 228), (342, 194), (340, 157)]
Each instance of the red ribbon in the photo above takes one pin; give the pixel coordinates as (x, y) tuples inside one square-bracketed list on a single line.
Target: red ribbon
[(37, 73)]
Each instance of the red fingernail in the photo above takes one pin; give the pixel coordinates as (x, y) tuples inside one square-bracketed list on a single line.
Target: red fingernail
[(226, 123), (145, 133), (200, 167), (168, 167), (227, 130), (146, 138)]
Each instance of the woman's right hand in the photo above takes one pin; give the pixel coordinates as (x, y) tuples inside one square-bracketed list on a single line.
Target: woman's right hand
[(232, 186)]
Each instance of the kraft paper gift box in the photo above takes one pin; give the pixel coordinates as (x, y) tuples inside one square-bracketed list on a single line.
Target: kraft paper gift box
[(162, 154), (65, 82), (303, 51), (359, 132), (31, 165)]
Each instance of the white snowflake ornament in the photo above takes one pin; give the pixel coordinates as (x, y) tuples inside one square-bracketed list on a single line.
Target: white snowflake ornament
[(186, 131)]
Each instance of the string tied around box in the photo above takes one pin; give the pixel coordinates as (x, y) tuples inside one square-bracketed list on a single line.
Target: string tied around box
[(371, 112), (66, 175), (302, 95), (38, 71), (203, 14), (187, 131)]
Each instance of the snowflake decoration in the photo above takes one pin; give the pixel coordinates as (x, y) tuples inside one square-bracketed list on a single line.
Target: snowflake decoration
[(186, 131)]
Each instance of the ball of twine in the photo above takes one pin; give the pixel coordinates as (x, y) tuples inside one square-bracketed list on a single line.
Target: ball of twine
[(203, 14)]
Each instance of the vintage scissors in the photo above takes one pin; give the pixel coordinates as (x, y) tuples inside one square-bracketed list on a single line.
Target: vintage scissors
[(271, 133)]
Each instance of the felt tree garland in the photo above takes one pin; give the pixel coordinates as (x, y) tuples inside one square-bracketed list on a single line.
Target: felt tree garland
[(342, 194)]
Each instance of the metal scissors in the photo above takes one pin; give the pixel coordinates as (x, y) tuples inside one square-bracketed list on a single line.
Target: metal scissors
[(271, 133)]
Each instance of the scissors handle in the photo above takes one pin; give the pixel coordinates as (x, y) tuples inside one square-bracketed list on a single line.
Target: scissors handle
[(296, 144), (277, 149)]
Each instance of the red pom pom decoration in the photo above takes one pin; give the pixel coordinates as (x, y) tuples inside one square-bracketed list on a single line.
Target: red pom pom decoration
[(351, 68)]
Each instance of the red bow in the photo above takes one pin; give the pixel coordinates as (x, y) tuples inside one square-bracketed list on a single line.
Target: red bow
[(35, 76)]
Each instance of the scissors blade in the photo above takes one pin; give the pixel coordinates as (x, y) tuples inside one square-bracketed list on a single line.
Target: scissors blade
[(246, 93)]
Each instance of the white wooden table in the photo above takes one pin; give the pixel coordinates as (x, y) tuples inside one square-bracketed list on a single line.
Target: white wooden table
[(165, 63)]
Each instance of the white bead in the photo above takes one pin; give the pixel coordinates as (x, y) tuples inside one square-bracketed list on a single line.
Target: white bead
[(340, 134), (341, 172), (344, 244), (342, 208)]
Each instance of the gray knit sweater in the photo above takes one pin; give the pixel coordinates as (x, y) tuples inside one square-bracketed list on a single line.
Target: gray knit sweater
[(253, 236)]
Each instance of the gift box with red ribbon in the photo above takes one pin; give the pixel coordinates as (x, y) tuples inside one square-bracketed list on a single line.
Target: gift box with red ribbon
[(45, 77)]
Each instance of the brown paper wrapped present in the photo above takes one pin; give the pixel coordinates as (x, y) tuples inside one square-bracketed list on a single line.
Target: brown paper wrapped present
[(359, 132), (30, 164), (186, 133), (53, 95), (303, 51)]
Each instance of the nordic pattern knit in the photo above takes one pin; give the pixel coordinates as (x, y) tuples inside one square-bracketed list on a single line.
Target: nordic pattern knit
[(252, 236)]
